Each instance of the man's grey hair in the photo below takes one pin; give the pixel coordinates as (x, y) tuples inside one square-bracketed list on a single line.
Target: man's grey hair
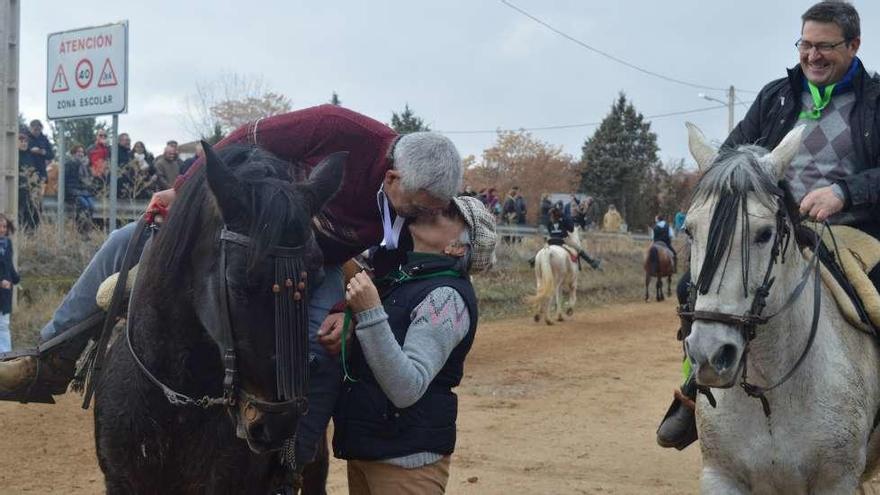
[(839, 12), (428, 161)]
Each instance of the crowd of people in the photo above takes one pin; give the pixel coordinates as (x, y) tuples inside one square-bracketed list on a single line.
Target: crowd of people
[(87, 172)]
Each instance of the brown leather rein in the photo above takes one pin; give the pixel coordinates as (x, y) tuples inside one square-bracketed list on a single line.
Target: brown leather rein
[(748, 322)]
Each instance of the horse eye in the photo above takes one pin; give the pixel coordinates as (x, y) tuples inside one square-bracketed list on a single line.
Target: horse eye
[(764, 236)]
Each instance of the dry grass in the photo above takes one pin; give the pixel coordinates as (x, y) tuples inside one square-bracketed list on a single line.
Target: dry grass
[(502, 290), (48, 269)]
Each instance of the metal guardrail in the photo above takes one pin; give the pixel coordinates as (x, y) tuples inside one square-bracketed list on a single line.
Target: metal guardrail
[(126, 209), (530, 230)]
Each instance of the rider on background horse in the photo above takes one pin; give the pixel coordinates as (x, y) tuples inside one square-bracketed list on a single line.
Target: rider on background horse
[(662, 232), (558, 229), (835, 174), (388, 179)]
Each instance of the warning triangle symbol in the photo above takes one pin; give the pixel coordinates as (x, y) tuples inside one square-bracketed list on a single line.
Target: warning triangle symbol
[(108, 75), (59, 85)]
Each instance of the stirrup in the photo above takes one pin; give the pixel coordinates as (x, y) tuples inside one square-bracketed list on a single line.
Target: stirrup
[(30, 390)]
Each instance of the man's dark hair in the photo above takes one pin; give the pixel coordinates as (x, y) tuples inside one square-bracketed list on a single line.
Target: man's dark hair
[(36, 122), (839, 12)]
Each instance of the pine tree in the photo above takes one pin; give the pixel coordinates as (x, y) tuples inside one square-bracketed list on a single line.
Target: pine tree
[(617, 160), (407, 122), (334, 100), (79, 131)]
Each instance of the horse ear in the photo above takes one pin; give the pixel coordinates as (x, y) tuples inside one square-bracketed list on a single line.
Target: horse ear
[(223, 184), (781, 156), (703, 152), (326, 178)]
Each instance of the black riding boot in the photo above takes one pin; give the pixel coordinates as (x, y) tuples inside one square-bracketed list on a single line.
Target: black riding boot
[(595, 263), (679, 427), (35, 375)]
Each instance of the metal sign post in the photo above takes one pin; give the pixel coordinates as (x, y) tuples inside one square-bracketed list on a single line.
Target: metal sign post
[(87, 75), (60, 222)]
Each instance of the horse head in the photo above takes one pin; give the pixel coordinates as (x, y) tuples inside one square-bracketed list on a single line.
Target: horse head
[(739, 225), (251, 281)]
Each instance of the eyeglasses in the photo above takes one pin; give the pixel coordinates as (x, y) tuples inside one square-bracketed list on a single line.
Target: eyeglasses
[(804, 46)]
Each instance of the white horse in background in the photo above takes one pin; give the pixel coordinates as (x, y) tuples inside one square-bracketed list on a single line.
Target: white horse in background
[(555, 274), (822, 395)]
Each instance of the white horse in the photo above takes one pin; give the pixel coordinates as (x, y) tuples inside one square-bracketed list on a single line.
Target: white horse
[(555, 273), (822, 394)]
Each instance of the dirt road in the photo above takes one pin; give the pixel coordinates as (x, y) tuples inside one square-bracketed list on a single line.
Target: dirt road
[(566, 409)]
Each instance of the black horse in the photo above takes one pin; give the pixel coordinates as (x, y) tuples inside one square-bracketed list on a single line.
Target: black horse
[(200, 394)]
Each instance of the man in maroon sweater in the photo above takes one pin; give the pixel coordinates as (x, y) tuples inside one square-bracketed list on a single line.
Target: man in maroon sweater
[(388, 178)]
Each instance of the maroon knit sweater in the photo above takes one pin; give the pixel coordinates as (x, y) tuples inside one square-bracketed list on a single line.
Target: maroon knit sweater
[(350, 222)]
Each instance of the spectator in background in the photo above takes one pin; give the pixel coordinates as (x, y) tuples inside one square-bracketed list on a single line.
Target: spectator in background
[(99, 155), (78, 187), (189, 161), (145, 158), (612, 220), (124, 146), (546, 205), (678, 222), (468, 191), (493, 202), (28, 185), (520, 209), (172, 143), (39, 148), (167, 168), (8, 278)]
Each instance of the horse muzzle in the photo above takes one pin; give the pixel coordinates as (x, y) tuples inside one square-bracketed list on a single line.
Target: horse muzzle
[(716, 353), (264, 431)]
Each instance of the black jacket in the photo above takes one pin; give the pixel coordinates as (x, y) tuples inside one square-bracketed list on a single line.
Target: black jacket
[(775, 112), (40, 161), (7, 272), (367, 424)]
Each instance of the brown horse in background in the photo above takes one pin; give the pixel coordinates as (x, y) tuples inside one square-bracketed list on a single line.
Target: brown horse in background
[(659, 262)]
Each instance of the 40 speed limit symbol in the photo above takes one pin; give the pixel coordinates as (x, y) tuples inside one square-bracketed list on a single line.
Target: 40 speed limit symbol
[(84, 73)]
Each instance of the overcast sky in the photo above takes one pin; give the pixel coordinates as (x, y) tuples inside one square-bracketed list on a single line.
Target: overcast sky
[(461, 65)]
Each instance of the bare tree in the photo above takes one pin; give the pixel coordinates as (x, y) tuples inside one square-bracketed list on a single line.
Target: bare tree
[(231, 100)]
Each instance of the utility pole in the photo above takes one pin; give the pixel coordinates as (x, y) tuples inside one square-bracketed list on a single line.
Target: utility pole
[(9, 36), (731, 97), (731, 103)]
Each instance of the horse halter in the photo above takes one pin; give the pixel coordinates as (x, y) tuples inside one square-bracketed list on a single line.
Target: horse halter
[(291, 337), (748, 322)]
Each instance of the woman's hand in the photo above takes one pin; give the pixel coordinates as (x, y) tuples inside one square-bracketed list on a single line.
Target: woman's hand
[(361, 294)]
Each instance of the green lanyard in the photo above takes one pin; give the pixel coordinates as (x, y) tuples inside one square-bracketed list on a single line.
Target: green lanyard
[(346, 321), (819, 101), (346, 324)]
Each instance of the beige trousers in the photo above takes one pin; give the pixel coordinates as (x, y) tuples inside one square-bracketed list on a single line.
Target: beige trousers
[(381, 478)]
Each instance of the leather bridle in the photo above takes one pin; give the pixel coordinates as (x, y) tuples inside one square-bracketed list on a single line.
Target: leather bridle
[(291, 337), (748, 322)]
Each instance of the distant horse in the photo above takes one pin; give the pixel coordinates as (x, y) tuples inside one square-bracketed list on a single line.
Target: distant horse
[(795, 387), (659, 262), (208, 382), (556, 271)]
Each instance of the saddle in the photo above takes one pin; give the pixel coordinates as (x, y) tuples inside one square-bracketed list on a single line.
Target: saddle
[(572, 253), (105, 291), (847, 256)]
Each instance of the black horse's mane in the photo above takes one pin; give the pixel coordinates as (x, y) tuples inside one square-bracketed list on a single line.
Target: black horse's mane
[(734, 175), (275, 208)]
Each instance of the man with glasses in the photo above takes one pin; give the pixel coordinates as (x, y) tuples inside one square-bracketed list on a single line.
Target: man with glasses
[(835, 174)]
